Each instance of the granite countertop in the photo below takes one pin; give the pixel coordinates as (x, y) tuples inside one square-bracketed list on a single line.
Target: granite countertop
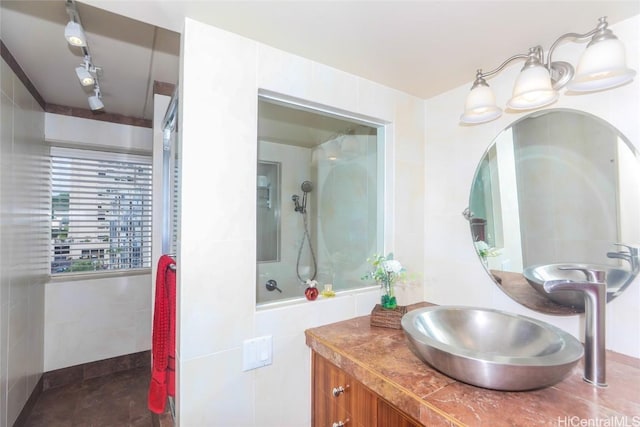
[(381, 359)]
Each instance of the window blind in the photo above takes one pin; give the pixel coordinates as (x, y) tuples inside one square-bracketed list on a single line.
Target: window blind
[(100, 211)]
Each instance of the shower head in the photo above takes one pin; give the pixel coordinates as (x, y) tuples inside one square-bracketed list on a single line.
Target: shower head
[(306, 186)]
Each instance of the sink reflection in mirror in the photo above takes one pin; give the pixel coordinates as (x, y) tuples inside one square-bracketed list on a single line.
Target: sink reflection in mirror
[(556, 187), (616, 279)]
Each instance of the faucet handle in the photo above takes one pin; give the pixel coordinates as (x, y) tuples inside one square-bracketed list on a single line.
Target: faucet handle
[(633, 250)]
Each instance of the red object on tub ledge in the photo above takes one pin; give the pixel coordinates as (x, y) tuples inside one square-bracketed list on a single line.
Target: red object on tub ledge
[(163, 346)]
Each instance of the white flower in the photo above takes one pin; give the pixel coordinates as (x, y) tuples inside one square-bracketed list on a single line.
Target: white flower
[(312, 283), (481, 245), (392, 266), (484, 250)]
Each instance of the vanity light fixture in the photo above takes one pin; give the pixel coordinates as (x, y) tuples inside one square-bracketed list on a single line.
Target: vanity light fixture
[(340, 145), (602, 66), (349, 143), (332, 149), (87, 72)]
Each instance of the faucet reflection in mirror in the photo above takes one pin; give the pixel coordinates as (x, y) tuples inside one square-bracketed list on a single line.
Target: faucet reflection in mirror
[(601, 66)]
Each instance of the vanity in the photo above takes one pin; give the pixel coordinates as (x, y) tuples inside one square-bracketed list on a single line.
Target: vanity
[(368, 376)]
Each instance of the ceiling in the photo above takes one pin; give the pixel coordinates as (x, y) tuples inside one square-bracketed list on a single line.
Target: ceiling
[(132, 55), (284, 124), (423, 48)]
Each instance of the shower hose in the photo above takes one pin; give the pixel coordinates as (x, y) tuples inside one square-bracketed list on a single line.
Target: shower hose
[(313, 255)]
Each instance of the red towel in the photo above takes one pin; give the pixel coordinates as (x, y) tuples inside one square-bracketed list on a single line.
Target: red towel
[(163, 347)]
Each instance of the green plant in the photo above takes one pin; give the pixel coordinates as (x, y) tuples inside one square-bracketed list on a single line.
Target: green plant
[(484, 250), (386, 271)]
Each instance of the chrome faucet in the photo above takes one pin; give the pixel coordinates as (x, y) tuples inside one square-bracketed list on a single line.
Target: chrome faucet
[(595, 300), (631, 257)]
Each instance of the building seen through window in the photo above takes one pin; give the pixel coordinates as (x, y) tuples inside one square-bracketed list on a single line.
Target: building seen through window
[(101, 211)]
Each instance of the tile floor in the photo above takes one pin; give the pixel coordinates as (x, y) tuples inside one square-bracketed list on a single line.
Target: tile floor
[(118, 399)]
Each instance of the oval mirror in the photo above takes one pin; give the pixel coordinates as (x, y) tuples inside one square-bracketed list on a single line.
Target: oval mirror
[(557, 196)]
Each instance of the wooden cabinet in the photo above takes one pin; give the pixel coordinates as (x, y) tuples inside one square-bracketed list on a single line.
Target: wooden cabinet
[(339, 400), (388, 416)]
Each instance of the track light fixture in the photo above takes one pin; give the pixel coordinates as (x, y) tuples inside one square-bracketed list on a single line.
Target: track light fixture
[(85, 77), (84, 72), (95, 101), (74, 34), (602, 66), (87, 72)]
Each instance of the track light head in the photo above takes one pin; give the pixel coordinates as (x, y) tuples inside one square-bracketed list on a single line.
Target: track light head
[(95, 102), (74, 34), (85, 77)]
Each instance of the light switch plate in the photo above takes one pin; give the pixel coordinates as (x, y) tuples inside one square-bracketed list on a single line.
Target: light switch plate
[(257, 352)]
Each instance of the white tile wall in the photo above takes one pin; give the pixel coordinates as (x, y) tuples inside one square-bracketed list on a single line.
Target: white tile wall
[(23, 243), (87, 134), (222, 399), (95, 319), (90, 320), (454, 275), (221, 75), (294, 168)]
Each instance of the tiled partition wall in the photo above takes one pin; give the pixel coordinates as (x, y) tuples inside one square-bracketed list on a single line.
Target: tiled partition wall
[(24, 243), (221, 74)]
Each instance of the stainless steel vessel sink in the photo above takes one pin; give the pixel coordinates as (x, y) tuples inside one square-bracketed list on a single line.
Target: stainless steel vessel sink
[(536, 275), (491, 348)]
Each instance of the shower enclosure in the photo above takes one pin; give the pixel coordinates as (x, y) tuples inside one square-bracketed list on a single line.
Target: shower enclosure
[(319, 201), (170, 176)]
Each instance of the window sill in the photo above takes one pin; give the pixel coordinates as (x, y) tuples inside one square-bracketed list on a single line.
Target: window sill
[(71, 277), (264, 306)]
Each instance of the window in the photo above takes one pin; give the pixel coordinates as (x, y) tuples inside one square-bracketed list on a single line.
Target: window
[(100, 211)]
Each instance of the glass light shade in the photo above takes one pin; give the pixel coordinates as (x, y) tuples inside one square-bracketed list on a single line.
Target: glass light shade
[(332, 149), (74, 34), (532, 89), (85, 77), (601, 66), (480, 106)]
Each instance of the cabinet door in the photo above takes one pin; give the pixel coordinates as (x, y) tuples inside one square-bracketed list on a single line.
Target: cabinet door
[(326, 413), (363, 410), (337, 397), (331, 381), (332, 390), (388, 416)]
